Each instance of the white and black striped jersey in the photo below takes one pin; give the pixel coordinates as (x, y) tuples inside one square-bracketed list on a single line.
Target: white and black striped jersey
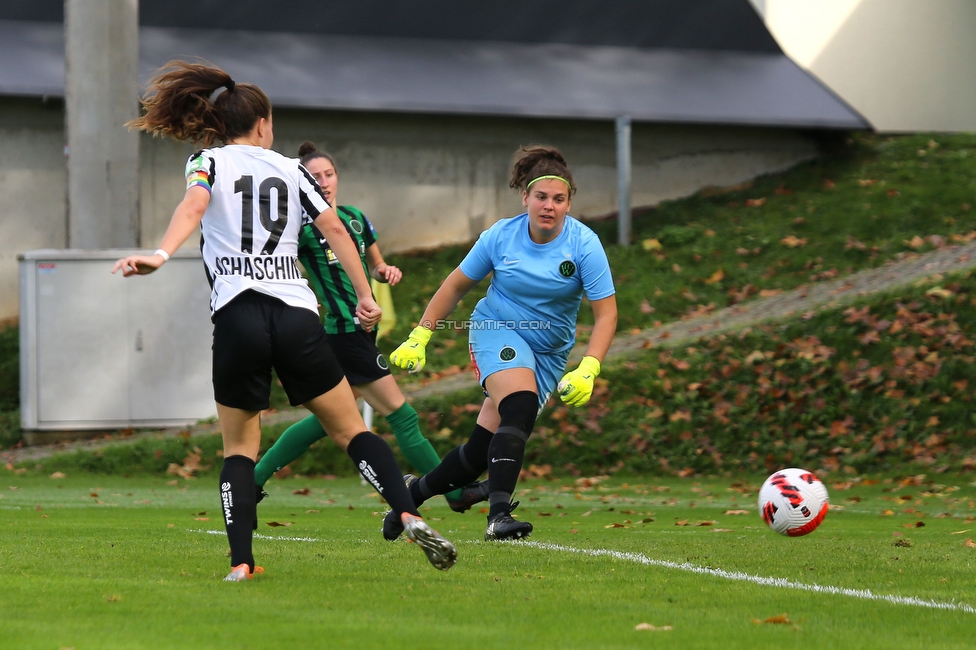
[(259, 201)]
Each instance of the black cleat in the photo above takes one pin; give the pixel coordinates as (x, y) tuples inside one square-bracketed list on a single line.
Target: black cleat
[(470, 494), (392, 526), (503, 526)]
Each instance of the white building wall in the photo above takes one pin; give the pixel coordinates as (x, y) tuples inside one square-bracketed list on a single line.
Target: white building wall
[(906, 65), (423, 180)]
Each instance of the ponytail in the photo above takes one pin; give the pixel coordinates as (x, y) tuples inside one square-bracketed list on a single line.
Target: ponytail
[(178, 104)]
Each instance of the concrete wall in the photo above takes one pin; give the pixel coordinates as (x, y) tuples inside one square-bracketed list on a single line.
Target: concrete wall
[(906, 65), (423, 180), (33, 186)]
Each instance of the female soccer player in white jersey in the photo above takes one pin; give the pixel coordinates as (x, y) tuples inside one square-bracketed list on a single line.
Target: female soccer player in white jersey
[(251, 204), (521, 332)]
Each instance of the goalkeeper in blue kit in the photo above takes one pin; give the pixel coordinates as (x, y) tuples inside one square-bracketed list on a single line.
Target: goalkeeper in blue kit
[(521, 333)]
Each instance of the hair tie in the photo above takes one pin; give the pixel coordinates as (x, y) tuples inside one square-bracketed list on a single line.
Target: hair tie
[(558, 178), (230, 86)]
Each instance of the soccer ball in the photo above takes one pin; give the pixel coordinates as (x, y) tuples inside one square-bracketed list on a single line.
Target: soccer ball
[(793, 502)]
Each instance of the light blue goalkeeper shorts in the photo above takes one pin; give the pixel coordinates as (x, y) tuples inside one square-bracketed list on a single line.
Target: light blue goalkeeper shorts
[(494, 348)]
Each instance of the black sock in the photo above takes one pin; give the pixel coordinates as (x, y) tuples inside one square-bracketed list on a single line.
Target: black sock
[(238, 503), (506, 452), (375, 462), (460, 466)]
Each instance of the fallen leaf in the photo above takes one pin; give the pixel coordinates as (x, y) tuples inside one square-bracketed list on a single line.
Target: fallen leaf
[(782, 619), (792, 241), (642, 627), (275, 524), (718, 276), (969, 543), (645, 307), (651, 245), (736, 512), (57, 475), (755, 203), (201, 519), (302, 491), (915, 242)]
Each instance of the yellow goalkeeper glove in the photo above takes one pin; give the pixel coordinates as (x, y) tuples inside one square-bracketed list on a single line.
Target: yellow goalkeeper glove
[(576, 386), (412, 353)]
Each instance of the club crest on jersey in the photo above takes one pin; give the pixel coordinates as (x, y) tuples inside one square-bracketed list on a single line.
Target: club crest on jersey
[(507, 353), (356, 226), (381, 362), (567, 269)]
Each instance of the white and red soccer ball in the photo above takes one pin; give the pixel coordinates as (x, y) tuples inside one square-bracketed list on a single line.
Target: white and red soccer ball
[(793, 502)]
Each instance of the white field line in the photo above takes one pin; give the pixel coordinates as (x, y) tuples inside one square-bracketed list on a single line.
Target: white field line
[(259, 536), (640, 558), (864, 594)]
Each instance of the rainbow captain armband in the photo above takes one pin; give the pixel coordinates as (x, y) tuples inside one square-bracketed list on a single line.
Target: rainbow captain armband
[(199, 178)]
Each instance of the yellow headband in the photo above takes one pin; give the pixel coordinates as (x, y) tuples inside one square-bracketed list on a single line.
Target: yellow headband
[(558, 178)]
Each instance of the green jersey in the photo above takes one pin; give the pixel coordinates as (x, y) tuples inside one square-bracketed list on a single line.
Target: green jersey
[(327, 277)]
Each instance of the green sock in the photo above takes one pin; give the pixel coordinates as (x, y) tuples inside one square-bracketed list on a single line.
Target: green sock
[(294, 442), (415, 447)]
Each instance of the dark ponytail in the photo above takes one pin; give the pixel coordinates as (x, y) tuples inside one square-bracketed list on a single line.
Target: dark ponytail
[(307, 152), (177, 104), (537, 160)]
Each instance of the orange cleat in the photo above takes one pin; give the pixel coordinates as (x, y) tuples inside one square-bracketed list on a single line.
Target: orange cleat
[(242, 572)]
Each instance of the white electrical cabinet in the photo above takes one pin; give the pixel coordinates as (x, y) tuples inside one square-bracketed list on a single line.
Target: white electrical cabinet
[(99, 351)]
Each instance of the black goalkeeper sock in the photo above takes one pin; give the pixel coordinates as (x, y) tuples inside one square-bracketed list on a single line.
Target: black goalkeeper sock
[(239, 505), (375, 462), (461, 466), (506, 452)]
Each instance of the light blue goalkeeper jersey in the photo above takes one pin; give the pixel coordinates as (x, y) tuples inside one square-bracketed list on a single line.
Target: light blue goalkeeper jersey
[(537, 289)]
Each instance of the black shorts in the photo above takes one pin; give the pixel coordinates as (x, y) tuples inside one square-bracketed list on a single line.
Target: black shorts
[(359, 357), (254, 333)]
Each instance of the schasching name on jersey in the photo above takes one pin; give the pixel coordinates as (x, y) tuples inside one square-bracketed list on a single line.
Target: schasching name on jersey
[(274, 267)]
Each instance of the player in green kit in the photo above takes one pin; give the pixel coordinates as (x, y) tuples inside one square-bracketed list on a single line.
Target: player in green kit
[(354, 347)]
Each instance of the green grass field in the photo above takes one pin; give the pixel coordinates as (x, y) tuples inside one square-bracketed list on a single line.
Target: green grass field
[(110, 562)]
